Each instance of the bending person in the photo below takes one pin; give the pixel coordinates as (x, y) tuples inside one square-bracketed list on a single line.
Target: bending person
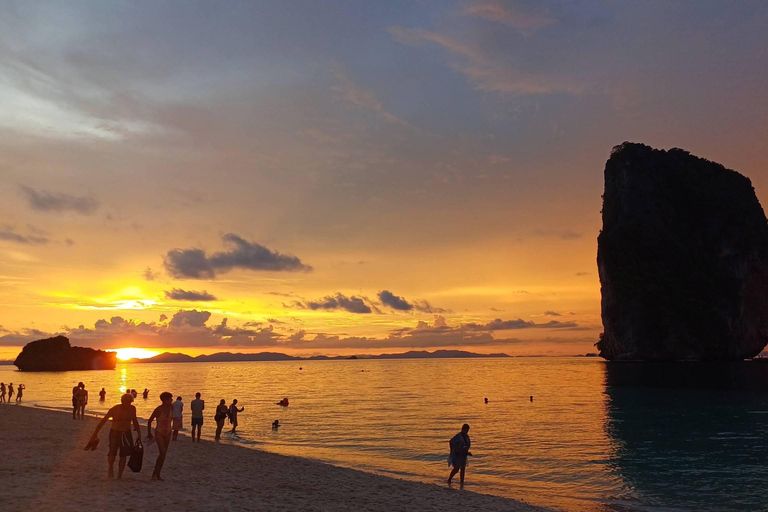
[(120, 437), (164, 415)]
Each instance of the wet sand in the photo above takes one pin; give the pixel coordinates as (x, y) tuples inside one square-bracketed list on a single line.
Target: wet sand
[(43, 467)]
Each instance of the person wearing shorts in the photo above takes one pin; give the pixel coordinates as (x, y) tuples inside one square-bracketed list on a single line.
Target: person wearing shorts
[(120, 436), (197, 407)]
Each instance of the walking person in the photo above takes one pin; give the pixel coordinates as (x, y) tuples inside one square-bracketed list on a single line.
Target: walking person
[(82, 401), (233, 410), (178, 406), (10, 391), (164, 415), (2, 392), (197, 407), (120, 437), (460, 444), (222, 411), (21, 389)]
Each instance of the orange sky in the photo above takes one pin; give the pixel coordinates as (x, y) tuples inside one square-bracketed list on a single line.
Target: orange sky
[(345, 178)]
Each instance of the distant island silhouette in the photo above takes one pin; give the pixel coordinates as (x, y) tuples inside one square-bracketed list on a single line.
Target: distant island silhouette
[(221, 357), (57, 355)]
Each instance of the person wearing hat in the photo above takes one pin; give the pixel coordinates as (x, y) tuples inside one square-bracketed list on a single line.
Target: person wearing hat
[(120, 436)]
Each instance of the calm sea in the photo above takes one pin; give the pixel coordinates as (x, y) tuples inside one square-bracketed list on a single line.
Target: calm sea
[(596, 436)]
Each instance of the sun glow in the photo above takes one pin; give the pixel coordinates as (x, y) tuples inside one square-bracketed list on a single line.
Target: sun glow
[(127, 353)]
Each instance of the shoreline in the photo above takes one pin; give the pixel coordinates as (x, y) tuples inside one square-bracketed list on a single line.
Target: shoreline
[(44, 467)]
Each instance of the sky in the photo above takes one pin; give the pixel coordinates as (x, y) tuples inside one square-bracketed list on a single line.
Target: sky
[(344, 177)]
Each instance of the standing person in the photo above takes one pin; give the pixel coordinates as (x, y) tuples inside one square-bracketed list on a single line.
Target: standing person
[(82, 401), (10, 391), (197, 407), (460, 444), (2, 392), (75, 404), (21, 389), (178, 406), (221, 414), (164, 415), (145, 394), (102, 395), (233, 410), (120, 437)]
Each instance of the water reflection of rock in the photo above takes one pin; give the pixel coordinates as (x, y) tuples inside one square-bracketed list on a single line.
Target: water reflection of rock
[(692, 436)]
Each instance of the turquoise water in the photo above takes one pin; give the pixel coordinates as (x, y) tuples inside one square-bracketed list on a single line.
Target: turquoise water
[(595, 437)]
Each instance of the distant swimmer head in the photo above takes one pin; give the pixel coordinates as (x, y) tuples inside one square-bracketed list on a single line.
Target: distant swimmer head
[(275, 423), (486, 400), (126, 399)]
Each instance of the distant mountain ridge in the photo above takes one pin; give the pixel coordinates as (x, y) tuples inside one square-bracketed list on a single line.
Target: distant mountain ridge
[(223, 357)]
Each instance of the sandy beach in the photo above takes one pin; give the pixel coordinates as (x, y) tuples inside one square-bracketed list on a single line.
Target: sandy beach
[(43, 467)]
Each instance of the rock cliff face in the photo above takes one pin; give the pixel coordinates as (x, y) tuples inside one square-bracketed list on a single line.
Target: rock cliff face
[(682, 258), (56, 355)]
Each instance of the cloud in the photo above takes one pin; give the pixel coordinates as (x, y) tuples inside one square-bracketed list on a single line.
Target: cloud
[(485, 70), (9, 234), (196, 264), (339, 301), (552, 313), (179, 294), (526, 22), (55, 202), (361, 98), (193, 318), (389, 299), (562, 234), (189, 328), (400, 304), (150, 275), (503, 325)]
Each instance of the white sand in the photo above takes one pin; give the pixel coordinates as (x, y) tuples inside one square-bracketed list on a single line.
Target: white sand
[(43, 467)]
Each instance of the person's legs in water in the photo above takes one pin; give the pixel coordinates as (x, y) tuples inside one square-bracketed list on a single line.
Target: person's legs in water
[(453, 473), (162, 444)]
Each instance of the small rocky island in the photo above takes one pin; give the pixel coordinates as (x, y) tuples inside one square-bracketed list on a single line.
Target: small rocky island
[(57, 355), (682, 258)]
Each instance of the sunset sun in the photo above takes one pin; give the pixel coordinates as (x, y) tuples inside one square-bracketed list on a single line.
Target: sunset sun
[(125, 354)]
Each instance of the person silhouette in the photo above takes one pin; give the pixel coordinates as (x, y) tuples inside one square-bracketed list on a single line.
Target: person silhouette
[(20, 389), (459, 444), (120, 437), (10, 391), (222, 411), (102, 395), (233, 410), (164, 415)]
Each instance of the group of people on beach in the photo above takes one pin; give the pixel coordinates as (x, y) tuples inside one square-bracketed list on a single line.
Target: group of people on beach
[(168, 419), (10, 391)]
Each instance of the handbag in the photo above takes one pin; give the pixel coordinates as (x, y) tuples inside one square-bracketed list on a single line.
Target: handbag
[(137, 456)]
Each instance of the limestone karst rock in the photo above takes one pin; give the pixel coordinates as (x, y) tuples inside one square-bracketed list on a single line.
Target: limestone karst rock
[(56, 355), (682, 258)]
